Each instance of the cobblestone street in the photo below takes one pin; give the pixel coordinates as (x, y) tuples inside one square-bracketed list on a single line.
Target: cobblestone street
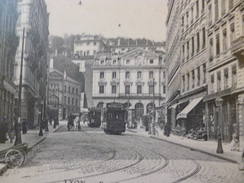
[(92, 156)]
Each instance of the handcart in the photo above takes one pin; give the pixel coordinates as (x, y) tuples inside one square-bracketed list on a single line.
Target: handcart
[(14, 156)]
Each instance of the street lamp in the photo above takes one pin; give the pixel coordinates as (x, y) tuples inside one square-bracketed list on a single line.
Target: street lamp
[(218, 103), (18, 123)]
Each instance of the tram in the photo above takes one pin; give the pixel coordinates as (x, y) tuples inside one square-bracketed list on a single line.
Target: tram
[(113, 118), (94, 117)]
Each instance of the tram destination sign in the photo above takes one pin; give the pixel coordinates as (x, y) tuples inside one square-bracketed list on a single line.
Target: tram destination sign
[(115, 105)]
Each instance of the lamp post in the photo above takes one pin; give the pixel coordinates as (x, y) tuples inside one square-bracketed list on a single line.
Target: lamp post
[(18, 122), (218, 103)]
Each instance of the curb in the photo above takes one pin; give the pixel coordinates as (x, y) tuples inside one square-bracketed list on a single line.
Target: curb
[(195, 149)]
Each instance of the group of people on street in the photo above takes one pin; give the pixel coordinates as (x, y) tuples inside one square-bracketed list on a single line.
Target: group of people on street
[(7, 132)]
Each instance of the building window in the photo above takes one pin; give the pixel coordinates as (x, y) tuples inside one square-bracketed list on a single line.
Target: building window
[(127, 61), (69, 89), (127, 75), (114, 88), (151, 61), (230, 4), (65, 99), (234, 76), (73, 90), (198, 76), (183, 53), (88, 52), (76, 91), (101, 89), (76, 102), (94, 52), (216, 10), (188, 48), (139, 75), (164, 74), (218, 81), (193, 78), (210, 14), (139, 89), (192, 50), (164, 89), (102, 62), (88, 43), (151, 89), (197, 8), (127, 89), (204, 73), (114, 75), (72, 101), (114, 62), (183, 83), (150, 74), (232, 32), (101, 75), (203, 37), (211, 49), (224, 40), (198, 42), (226, 78), (203, 5), (223, 6), (68, 100), (212, 83), (65, 88), (217, 44), (95, 43)]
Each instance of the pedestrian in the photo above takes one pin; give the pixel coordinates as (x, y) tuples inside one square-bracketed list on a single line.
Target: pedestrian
[(167, 129), (24, 126), (11, 133), (78, 122), (46, 124), (3, 131), (235, 141)]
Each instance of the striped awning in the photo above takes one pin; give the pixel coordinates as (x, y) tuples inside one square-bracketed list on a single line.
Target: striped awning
[(188, 108)]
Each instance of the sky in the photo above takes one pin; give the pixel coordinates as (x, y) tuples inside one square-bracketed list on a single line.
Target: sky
[(109, 18)]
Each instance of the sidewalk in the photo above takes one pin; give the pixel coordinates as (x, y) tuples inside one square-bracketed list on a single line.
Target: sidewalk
[(207, 147), (32, 138)]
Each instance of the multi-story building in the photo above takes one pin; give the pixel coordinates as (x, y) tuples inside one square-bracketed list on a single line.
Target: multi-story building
[(65, 84), (85, 48), (210, 40), (32, 26), (173, 58), (134, 78), (8, 45), (226, 72)]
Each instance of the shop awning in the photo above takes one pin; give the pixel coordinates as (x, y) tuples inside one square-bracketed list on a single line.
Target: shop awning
[(188, 108)]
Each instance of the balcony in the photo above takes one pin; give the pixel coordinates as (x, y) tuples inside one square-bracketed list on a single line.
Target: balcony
[(237, 48)]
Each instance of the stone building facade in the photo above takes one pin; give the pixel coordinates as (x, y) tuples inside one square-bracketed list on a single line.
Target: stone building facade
[(8, 45), (33, 20), (210, 66), (135, 78)]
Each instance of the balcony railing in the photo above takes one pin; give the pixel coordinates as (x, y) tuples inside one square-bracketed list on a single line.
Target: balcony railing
[(237, 47)]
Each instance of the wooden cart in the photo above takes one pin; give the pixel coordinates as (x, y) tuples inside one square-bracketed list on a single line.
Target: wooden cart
[(14, 156)]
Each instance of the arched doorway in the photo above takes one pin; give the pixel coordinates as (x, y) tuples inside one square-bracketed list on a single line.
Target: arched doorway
[(139, 110)]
